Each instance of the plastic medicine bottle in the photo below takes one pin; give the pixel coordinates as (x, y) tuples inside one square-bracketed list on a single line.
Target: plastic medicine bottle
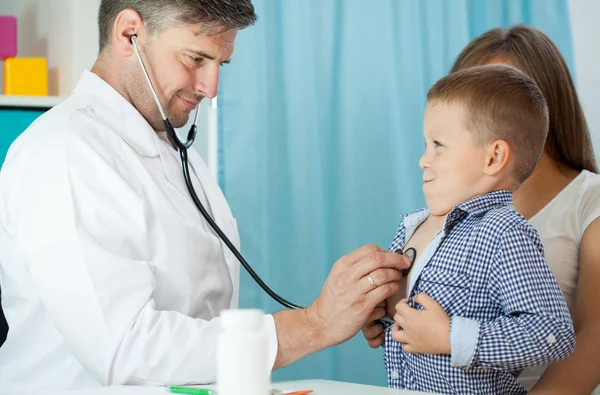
[(242, 354)]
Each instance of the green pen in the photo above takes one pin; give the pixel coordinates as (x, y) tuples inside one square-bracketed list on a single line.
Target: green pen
[(191, 391), (204, 391)]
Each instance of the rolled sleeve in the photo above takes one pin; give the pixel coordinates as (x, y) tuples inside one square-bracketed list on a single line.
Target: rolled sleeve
[(272, 343), (464, 335)]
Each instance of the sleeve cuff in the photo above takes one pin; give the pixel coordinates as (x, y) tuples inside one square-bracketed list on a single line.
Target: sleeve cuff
[(272, 343), (464, 335)]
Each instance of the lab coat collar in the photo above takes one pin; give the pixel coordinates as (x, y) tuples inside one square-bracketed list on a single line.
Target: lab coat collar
[(120, 115)]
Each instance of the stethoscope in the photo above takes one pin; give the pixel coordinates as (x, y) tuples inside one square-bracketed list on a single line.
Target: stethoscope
[(182, 148)]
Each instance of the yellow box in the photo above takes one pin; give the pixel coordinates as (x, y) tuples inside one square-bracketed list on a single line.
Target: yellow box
[(26, 76)]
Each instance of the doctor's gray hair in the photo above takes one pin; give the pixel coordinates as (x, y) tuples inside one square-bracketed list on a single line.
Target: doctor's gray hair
[(215, 16)]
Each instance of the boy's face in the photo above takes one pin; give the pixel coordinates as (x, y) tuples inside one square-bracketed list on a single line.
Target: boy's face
[(453, 162)]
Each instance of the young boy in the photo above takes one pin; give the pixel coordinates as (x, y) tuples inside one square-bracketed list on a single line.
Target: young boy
[(480, 303)]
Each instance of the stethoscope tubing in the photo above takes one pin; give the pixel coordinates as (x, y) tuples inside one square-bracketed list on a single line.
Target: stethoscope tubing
[(182, 147)]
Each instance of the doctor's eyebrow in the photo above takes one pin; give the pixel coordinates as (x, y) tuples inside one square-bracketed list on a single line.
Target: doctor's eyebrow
[(206, 55)]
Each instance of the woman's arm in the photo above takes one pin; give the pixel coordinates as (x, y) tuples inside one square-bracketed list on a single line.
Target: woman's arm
[(579, 374)]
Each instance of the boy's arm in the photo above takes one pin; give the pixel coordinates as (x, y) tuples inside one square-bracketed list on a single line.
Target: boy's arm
[(536, 327)]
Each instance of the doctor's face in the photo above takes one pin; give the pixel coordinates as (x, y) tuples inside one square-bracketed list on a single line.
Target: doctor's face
[(184, 69), (452, 162)]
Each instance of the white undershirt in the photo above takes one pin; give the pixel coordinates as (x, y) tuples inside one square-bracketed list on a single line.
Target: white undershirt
[(561, 224)]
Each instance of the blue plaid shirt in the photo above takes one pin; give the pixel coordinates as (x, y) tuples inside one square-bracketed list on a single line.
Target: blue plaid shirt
[(507, 312)]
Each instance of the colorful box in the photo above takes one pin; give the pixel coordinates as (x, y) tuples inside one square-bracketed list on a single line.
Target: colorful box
[(26, 76), (8, 37)]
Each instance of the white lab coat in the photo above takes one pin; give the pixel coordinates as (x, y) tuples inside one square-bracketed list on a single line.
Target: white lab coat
[(109, 274)]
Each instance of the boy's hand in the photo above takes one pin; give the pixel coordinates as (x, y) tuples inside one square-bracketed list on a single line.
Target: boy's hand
[(422, 331)]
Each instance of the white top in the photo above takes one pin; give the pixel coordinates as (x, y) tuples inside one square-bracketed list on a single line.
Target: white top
[(561, 224), (109, 274)]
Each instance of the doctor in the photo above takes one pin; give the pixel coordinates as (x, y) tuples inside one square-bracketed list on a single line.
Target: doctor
[(109, 274)]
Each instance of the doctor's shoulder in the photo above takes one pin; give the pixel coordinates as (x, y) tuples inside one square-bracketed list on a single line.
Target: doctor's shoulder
[(55, 134)]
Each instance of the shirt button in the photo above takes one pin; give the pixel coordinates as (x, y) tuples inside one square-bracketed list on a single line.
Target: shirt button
[(551, 339), (394, 375)]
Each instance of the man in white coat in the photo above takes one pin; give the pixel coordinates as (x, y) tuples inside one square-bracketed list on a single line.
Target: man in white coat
[(109, 274)]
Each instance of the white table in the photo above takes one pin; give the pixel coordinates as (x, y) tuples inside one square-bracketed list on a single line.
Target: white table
[(326, 387), (320, 387)]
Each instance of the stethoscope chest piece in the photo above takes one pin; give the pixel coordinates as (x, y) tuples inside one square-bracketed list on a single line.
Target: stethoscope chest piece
[(411, 254)]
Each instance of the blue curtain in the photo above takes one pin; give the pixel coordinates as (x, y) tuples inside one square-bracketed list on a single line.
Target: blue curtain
[(320, 127)]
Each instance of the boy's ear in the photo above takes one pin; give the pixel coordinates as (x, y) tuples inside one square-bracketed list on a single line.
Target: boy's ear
[(497, 157)]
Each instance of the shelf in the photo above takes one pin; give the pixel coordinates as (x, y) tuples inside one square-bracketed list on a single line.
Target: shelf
[(30, 101)]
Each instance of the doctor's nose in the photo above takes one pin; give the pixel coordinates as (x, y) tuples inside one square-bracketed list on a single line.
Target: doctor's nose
[(425, 161), (207, 81)]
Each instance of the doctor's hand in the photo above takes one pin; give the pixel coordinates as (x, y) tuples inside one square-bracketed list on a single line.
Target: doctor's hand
[(357, 284), (373, 331), (424, 331)]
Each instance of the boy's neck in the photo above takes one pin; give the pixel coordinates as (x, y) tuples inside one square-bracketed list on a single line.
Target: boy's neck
[(504, 183), (436, 221)]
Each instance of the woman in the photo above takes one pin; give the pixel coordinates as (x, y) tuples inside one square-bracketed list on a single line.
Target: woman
[(561, 199)]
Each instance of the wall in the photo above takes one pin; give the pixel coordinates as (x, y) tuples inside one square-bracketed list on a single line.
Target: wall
[(584, 16), (63, 31)]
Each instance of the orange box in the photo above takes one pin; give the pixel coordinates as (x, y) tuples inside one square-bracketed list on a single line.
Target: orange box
[(26, 76)]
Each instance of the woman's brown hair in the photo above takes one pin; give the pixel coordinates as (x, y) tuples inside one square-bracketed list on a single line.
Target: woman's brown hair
[(532, 52)]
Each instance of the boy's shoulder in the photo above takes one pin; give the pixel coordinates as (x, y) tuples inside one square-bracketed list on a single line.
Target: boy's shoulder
[(495, 210), (503, 217), (493, 219), (504, 221)]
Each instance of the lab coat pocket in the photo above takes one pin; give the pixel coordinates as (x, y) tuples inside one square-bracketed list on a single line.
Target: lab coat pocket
[(450, 290)]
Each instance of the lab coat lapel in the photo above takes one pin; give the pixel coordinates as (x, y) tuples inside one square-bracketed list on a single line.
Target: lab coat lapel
[(115, 112), (221, 213), (222, 216), (121, 116)]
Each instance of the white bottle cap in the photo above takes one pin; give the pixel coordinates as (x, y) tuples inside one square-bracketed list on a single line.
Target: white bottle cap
[(242, 318)]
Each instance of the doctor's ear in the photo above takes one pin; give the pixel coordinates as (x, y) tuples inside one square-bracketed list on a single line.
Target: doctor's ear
[(497, 157), (128, 23)]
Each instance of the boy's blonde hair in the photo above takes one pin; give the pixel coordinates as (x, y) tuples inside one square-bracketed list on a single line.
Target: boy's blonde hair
[(500, 103)]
